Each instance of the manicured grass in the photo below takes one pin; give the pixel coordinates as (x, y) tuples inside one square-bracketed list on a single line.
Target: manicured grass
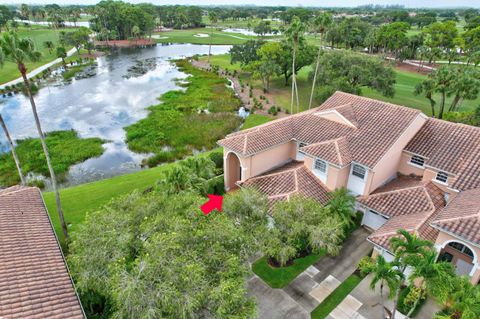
[(240, 23), (255, 120), (282, 276), (336, 297), (215, 37), (38, 34), (77, 201), (66, 149), (175, 127), (222, 61)]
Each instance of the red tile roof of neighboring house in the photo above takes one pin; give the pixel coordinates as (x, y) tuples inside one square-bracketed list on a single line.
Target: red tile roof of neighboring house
[(377, 126), (415, 197), (290, 179), (334, 151), (411, 205), (462, 216), (34, 279), (450, 147)]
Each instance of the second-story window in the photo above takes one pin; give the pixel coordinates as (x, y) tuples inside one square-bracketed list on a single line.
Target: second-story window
[(320, 166), (417, 160), (358, 171), (442, 177)]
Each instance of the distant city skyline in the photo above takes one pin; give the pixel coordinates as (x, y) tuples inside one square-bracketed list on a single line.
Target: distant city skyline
[(294, 3)]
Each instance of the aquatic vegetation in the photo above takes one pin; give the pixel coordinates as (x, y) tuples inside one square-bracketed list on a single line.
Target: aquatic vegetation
[(175, 128)]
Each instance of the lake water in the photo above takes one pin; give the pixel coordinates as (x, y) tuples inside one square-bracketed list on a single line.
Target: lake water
[(100, 106)]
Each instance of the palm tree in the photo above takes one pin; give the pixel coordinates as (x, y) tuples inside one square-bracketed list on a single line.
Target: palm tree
[(465, 299), (20, 51), (135, 32), (342, 204), (321, 23), (49, 45), (406, 248), (62, 54), (427, 87), (431, 276), (12, 149), (294, 34), (385, 273), (212, 15)]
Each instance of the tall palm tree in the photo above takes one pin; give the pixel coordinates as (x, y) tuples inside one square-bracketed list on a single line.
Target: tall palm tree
[(12, 149), (212, 15), (321, 24), (406, 248), (294, 34), (19, 51), (342, 204), (387, 275), (435, 278)]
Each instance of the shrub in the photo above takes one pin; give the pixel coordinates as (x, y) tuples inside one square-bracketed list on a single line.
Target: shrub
[(217, 158), (273, 110)]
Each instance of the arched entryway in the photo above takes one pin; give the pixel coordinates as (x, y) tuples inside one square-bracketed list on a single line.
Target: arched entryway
[(460, 255), (233, 171)]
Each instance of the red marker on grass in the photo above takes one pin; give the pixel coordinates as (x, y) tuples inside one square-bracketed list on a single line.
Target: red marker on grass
[(214, 202)]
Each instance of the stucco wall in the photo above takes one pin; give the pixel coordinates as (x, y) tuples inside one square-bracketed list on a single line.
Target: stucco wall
[(336, 177), (430, 174), (388, 165), (264, 161), (406, 168)]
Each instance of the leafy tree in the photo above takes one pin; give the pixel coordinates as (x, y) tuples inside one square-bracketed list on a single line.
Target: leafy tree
[(77, 38), (302, 226), (294, 35), (19, 51), (264, 27), (393, 37), (157, 255), (5, 15), (471, 40), (24, 11), (350, 71), (441, 35), (267, 66), (245, 53), (322, 22), (384, 273), (12, 150), (464, 299)]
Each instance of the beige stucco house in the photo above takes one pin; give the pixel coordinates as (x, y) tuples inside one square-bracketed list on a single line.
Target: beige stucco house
[(408, 171)]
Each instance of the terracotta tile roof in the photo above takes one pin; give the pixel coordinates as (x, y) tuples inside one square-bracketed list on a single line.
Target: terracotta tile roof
[(462, 216), (34, 279), (450, 147), (292, 178), (415, 197), (377, 126), (411, 205), (335, 151)]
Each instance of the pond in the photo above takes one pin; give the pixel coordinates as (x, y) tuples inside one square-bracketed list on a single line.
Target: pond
[(101, 105)]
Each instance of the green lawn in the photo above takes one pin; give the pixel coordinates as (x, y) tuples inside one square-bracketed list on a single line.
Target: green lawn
[(215, 37), (38, 34), (255, 120), (249, 23), (336, 297), (222, 61), (282, 276), (77, 201)]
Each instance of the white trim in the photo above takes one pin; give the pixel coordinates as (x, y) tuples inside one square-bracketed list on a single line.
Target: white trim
[(343, 118), (475, 256), (454, 235), (415, 165)]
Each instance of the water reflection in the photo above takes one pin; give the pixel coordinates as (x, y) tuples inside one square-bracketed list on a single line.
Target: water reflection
[(100, 106)]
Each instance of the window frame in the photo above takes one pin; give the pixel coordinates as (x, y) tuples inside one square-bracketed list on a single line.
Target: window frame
[(415, 159), (324, 163), (443, 175), (354, 173)]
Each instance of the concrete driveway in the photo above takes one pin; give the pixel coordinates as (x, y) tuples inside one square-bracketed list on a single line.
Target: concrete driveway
[(306, 292)]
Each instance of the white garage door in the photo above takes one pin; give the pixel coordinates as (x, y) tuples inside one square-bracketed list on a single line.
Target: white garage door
[(373, 219)]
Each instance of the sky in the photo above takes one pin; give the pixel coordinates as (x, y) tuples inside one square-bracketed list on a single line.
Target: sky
[(316, 3)]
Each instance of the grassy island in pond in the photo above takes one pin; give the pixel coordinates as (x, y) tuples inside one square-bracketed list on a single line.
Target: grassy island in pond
[(186, 120), (66, 149)]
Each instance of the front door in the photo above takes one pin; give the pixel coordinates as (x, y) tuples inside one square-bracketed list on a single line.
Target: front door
[(463, 268)]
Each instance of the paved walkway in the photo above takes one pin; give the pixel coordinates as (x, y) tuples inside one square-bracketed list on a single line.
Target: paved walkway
[(37, 70), (307, 291)]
